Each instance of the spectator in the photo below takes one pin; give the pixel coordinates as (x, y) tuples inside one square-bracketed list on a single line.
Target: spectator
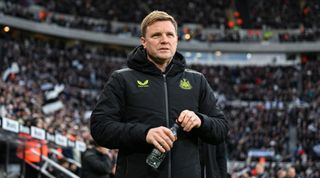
[(260, 171), (96, 163), (291, 172), (281, 173)]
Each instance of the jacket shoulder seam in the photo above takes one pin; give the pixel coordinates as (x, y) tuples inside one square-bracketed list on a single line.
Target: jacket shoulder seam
[(192, 71), (123, 70)]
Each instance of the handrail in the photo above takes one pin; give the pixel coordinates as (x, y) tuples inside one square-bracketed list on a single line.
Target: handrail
[(44, 171), (56, 165), (54, 151)]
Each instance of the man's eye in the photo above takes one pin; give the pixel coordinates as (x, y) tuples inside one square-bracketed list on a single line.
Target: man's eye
[(155, 35)]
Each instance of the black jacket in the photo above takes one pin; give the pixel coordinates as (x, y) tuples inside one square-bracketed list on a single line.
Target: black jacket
[(140, 97), (214, 160), (95, 164)]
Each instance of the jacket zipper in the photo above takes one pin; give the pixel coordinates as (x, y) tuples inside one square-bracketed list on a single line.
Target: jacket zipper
[(167, 113), (167, 118)]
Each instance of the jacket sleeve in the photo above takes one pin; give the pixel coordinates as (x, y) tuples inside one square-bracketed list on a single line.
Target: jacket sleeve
[(106, 123), (214, 127), (214, 160), (221, 154)]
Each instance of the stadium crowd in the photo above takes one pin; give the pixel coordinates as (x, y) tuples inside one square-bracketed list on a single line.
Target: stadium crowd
[(263, 84), (212, 12), (211, 24), (279, 100), (42, 66), (286, 14), (273, 95)]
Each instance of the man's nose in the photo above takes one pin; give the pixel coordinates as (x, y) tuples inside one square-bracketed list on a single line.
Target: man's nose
[(164, 39)]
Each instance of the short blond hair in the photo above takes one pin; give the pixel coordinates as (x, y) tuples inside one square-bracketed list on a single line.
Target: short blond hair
[(156, 16)]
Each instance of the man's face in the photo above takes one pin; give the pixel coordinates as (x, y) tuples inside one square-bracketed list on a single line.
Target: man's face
[(291, 172), (160, 41)]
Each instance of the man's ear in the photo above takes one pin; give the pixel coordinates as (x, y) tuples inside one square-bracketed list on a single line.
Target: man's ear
[(143, 41)]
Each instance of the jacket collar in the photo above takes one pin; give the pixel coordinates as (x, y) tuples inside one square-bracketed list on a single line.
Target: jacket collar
[(137, 60)]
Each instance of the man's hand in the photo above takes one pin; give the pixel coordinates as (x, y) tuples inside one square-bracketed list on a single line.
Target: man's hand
[(161, 137), (189, 120)]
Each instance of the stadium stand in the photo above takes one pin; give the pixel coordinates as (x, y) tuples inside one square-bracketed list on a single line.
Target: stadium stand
[(218, 21), (273, 108)]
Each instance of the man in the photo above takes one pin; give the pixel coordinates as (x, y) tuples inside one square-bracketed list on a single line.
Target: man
[(140, 103), (281, 173), (260, 171), (96, 162), (291, 172)]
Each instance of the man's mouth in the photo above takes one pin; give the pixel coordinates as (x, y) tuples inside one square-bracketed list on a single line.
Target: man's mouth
[(164, 49)]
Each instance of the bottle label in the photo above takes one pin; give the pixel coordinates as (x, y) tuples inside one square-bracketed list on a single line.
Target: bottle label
[(155, 158)]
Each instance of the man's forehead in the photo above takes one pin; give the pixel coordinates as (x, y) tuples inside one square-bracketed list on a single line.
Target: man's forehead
[(163, 26)]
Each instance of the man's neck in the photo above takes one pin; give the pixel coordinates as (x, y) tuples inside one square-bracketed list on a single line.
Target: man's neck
[(163, 66)]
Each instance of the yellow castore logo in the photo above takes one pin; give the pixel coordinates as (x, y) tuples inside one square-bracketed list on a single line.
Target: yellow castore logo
[(143, 84), (185, 84)]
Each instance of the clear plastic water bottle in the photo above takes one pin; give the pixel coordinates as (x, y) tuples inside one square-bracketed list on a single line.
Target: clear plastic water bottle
[(156, 157)]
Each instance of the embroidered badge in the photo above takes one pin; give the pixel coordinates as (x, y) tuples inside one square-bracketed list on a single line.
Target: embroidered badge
[(185, 84), (143, 84)]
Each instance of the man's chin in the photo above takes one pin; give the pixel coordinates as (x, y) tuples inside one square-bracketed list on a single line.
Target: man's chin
[(160, 60)]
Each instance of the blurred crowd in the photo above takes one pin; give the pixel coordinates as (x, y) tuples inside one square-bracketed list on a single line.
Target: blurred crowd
[(278, 100), (281, 110), (286, 14), (217, 21), (270, 83), (212, 12), (43, 65)]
